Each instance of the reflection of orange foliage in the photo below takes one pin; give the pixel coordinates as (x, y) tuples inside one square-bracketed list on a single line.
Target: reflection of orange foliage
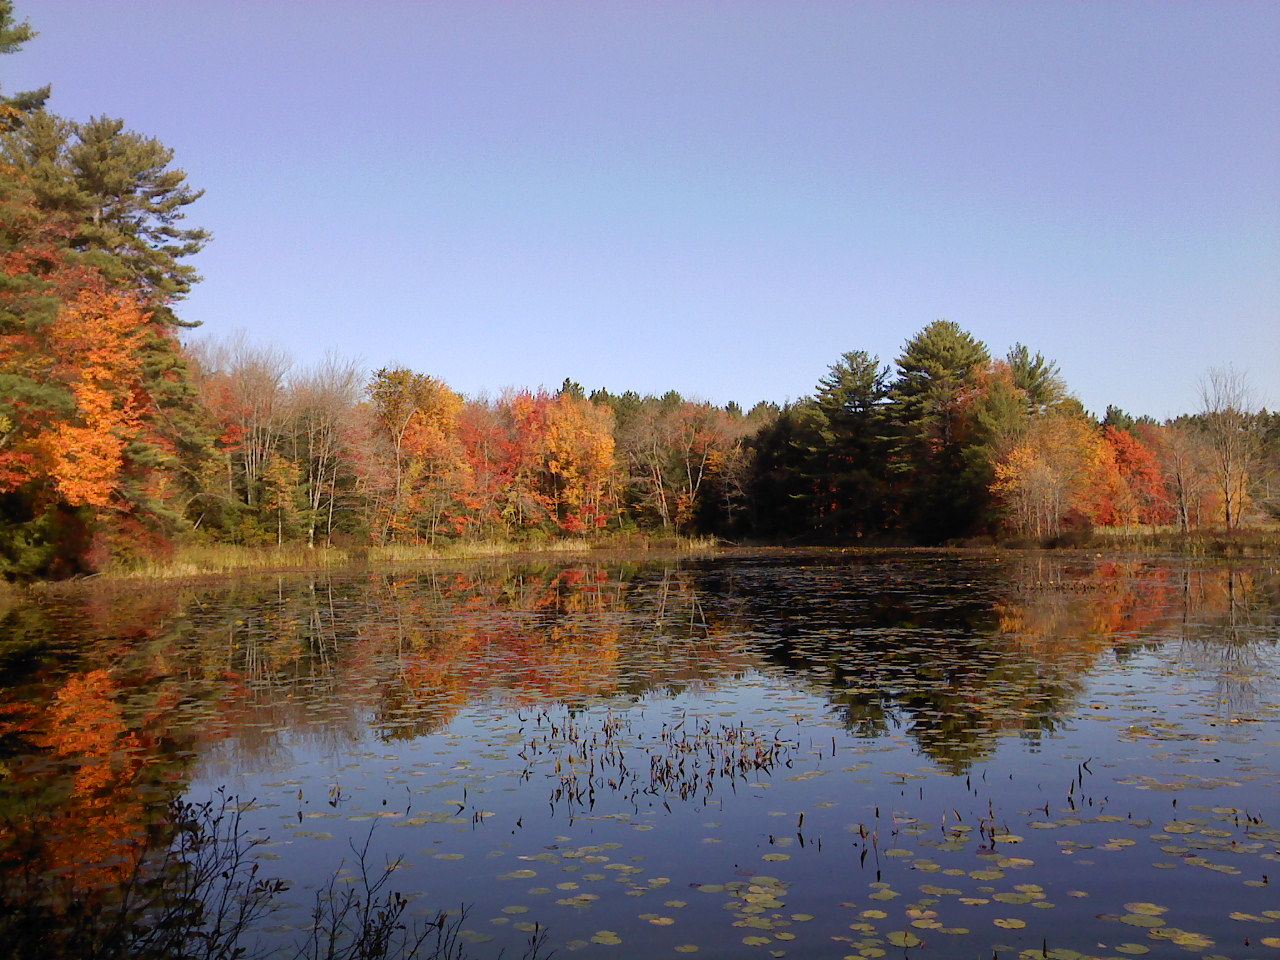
[(87, 838), (488, 641), (531, 638), (1088, 608)]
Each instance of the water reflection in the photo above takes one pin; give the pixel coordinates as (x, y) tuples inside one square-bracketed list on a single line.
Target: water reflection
[(112, 698)]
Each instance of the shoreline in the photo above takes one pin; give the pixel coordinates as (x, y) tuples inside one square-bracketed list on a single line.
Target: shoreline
[(204, 564)]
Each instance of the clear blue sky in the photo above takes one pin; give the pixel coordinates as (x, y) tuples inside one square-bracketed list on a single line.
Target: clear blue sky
[(714, 197)]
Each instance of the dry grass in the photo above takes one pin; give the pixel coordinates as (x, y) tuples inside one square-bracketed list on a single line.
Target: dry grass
[(225, 558), (1260, 540)]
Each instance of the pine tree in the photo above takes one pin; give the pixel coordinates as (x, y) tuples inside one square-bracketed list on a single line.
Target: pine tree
[(12, 36), (930, 402)]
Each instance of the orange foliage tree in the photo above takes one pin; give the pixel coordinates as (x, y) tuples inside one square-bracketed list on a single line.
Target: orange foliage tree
[(416, 468), (1145, 494), (80, 435), (1061, 472), (541, 461)]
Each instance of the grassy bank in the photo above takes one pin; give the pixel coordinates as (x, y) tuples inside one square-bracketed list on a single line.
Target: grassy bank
[(195, 560), (206, 559), (1208, 542)]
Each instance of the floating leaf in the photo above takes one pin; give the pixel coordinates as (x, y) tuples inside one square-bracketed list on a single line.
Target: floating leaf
[(1182, 938), (1150, 909), (1009, 923), (1141, 920), (1134, 949), (903, 938), (1011, 897)]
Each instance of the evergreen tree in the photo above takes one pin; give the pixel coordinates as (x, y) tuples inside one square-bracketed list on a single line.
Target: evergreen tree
[(781, 499), (12, 36), (852, 459), (1037, 377), (126, 202), (931, 407)]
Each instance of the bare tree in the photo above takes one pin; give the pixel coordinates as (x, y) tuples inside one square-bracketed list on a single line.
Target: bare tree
[(1185, 459), (320, 402), (1227, 414)]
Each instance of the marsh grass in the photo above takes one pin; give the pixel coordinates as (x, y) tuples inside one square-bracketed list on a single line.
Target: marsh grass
[(1256, 541), (205, 559)]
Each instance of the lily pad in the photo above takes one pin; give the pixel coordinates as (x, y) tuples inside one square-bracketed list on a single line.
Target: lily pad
[(1149, 909)]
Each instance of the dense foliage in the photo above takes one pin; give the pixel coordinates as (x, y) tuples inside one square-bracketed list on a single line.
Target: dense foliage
[(115, 440)]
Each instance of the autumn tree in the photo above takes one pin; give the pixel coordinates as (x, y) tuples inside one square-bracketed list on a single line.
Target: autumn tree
[(415, 418), (1062, 473), (243, 385), (97, 411), (80, 444), (1226, 417), (321, 403), (677, 456), (1183, 456), (576, 462), (546, 462), (1145, 496)]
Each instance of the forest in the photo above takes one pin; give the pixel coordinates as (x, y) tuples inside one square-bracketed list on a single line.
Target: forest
[(118, 441)]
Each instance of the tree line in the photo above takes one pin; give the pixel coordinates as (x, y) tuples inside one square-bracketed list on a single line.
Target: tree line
[(118, 440)]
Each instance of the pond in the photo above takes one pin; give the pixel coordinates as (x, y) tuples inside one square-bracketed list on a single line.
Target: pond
[(761, 755)]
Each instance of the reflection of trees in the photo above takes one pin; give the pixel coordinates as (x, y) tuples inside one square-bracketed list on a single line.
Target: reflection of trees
[(568, 635), (105, 697), (89, 761), (258, 666), (955, 653), (1230, 634)]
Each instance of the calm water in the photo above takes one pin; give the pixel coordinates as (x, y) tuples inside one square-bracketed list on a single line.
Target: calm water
[(799, 756)]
